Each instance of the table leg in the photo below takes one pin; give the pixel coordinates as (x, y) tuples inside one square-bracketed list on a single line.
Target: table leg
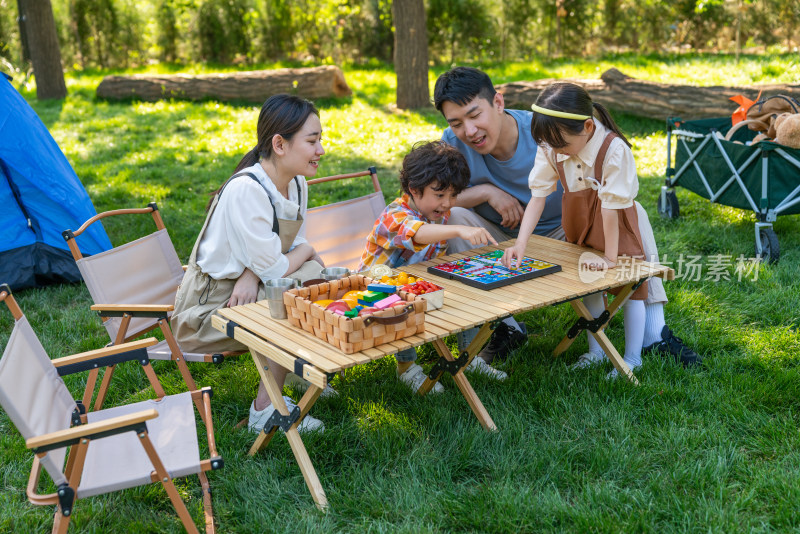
[(292, 435), (619, 300), (466, 388), (483, 335), (616, 360)]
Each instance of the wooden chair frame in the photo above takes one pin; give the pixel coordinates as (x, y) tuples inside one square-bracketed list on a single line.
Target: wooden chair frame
[(129, 311), (78, 438)]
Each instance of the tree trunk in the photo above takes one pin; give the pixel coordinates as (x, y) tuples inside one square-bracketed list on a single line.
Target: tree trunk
[(25, 55), (42, 38), (252, 86), (617, 91), (411, 54)]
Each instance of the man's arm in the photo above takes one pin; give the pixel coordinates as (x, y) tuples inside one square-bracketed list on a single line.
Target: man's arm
[(472, 196), (506, 205)]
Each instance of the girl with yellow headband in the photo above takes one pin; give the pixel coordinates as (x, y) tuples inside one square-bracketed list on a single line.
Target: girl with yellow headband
[(582, 147)]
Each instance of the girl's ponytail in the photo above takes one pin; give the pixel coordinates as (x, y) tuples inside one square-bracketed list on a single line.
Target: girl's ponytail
[(603, 116), (249, 159)]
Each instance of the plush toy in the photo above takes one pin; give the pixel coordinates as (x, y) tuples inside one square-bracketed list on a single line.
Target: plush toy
[(787, 129)]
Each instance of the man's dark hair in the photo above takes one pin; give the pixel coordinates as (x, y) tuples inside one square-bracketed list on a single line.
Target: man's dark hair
[(434, 163), (460, 85)]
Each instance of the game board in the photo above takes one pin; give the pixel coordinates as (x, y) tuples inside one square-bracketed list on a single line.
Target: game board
[(485, 271)]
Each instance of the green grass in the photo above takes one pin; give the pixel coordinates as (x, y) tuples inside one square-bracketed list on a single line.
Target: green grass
[(689, 451)]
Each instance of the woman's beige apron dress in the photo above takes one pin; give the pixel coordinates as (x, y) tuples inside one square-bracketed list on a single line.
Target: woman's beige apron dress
[(200, 295), (582, 218)]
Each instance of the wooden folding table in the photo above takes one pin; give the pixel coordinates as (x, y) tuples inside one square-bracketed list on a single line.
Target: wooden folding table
[(464, 307)]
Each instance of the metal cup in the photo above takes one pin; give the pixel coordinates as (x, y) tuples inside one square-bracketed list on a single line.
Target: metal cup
[(334, 273), (275, 289)]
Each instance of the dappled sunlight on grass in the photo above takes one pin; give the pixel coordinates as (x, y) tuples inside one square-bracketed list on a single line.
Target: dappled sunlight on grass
[(376, 418)]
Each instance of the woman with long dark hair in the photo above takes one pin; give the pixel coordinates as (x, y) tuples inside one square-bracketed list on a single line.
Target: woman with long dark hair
[(254, 231)]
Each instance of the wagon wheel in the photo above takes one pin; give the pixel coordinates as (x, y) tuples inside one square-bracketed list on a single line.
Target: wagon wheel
[(770, 248), (671, 210)]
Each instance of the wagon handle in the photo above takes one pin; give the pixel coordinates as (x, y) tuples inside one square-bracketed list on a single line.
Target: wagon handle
[(760, 126)]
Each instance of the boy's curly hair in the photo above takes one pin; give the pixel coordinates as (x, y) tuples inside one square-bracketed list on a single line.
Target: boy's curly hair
[(434, 163)]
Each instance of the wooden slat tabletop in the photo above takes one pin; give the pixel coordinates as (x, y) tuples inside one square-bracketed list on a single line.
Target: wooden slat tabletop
[(464, 306)]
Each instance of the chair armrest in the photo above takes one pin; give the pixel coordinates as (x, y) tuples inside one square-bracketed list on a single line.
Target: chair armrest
[(84, 357), (99, 429), (132, 307)]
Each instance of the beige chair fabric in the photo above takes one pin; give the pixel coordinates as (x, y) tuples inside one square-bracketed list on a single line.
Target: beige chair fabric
[(161, 351), (145, 271), (120, 462), (339, 231), (37, 402), (33, 395)]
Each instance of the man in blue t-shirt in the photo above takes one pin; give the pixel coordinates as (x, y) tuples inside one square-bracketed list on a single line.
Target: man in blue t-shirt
[(500, 152)]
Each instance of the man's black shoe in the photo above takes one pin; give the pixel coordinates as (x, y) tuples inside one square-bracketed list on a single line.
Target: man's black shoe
[(504, 339), (672, 345)]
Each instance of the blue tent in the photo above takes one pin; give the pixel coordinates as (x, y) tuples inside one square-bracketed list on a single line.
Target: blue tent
[(40, 197)]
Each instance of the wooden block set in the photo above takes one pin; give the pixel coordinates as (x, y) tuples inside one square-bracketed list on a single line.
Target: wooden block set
[(354, 334)]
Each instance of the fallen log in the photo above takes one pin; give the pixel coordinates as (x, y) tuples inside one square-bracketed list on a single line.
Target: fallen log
[(250, 86), (655, 100)]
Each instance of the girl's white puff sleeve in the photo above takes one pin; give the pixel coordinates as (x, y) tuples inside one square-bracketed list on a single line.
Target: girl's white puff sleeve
[(620, 184), (543, 177)]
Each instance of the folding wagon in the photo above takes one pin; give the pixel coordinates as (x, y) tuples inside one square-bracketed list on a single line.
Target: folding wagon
[(763, 177)]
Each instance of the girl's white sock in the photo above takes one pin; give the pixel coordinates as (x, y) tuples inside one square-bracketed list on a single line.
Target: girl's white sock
[(634, 315), (654, 323), (596, 305)]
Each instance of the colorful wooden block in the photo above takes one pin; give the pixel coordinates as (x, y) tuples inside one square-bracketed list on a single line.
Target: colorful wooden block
[(382, 288), (388, 301), (372, 296)]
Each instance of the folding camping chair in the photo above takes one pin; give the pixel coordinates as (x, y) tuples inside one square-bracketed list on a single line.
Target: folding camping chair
[(133, 287), (109, 450), (338, 231)]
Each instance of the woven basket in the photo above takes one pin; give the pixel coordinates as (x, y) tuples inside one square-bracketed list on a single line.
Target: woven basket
[(359, 333)]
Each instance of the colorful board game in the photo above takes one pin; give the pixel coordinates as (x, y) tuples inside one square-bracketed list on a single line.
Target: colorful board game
[(485, 271)]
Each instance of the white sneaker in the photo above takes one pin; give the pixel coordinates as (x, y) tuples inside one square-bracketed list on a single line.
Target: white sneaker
[(301, 386), (614, 374), (478, 365), (587, 359), (415, 376), (258, 418)]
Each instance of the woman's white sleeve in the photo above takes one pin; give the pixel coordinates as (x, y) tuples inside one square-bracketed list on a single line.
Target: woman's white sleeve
[(543, 177), (620, 183), (248, 219)]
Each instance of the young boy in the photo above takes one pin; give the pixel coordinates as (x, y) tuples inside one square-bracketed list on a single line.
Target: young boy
[(414, 228)]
